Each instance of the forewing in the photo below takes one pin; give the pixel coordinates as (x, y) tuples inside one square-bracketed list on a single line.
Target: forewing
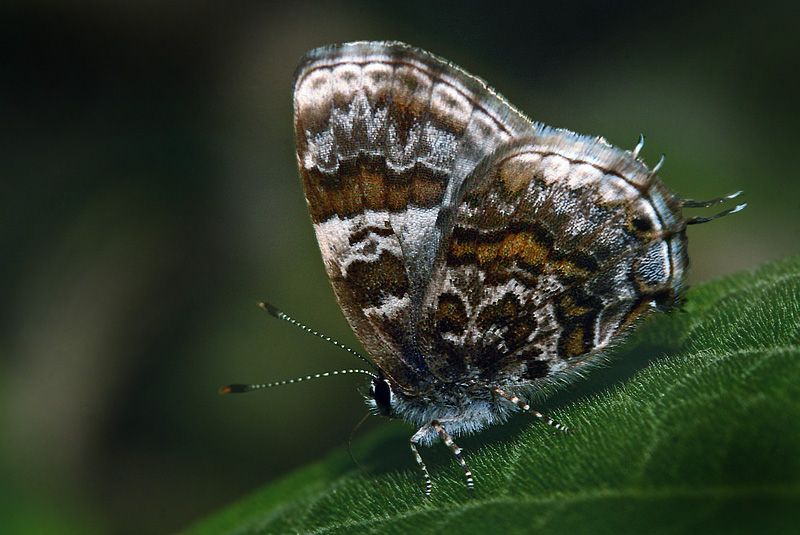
[(559, 243), (386, 135)]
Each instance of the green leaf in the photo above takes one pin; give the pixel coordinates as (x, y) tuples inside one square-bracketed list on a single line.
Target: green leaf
[(703, 437)]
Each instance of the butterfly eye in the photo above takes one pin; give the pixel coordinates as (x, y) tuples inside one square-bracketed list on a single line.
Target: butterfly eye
[(381, 393)]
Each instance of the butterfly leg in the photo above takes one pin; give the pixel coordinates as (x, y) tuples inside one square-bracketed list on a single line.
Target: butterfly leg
[(525, 407), (414, 443), (457, 452)]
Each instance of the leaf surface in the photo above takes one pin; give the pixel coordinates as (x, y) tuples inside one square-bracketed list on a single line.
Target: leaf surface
[(700, 433)]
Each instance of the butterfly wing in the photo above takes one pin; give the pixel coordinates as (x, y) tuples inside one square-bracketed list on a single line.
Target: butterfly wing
[(386, 135), (558, 244)]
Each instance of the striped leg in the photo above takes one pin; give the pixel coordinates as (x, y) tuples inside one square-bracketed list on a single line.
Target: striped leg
[(524, 406), (414, 442), (457, 452)]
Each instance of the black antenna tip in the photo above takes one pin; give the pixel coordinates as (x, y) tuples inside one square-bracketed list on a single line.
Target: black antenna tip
[(234, 389), (271, 309)]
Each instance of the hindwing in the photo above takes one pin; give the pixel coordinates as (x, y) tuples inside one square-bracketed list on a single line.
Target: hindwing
[(559, 243)]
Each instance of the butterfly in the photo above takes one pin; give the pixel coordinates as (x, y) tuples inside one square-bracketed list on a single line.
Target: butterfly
[(478, 256)]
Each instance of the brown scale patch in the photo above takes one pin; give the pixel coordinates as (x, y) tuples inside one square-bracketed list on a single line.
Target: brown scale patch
[(522, 242), (374, 280), (567, 270), (501, 272), (427, 186), (570, 307), (523, 250), (496, 367), (411, 90), (574, 266), (462, 247), (399, 116), (384, 189), (397, 196), (360, 235), (419, 186), (486, 252), (366, 183), (577, 303), (575, 341), (330, 194), (526, 248), (499, 313), (451, 314), (514, 174), (577, 311), (372, 175), (510, 316), (446, 359)]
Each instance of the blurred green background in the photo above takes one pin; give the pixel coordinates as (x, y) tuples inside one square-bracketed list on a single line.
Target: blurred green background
[(150, 200)]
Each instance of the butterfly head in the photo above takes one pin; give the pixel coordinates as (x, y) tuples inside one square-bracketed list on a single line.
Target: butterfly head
[(380, 396)]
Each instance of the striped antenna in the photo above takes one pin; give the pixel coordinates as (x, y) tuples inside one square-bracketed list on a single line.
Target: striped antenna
[(241, 389), (276, 313)]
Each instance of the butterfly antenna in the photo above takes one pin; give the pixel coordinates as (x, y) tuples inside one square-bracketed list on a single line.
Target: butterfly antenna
[(276, 313), (241, 388)]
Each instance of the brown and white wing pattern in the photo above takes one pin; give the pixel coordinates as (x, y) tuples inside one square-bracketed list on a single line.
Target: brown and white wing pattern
[(559, 243), (478, 256), (386, 135)]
